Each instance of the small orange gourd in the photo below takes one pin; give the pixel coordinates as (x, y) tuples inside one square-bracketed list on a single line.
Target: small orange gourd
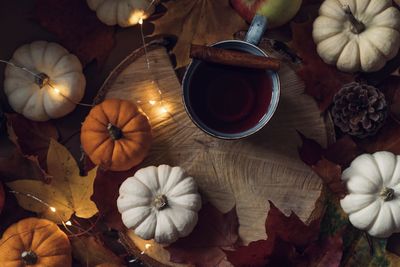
[(35, 242), (116, 135)]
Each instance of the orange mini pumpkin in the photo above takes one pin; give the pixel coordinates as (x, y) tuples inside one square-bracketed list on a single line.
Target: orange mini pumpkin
[(35, 242), (116, 135)]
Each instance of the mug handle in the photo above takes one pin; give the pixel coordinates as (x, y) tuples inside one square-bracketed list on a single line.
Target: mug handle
[(256, 30)]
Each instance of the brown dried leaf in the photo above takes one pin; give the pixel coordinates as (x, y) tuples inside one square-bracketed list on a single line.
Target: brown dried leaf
[(331, 174), (199, 22), (322, 81), (106, 192), (32, 138), (286, 235), (326, 253), (203, 247), (77, 28), (341, 152), (391, 88), (17, 166), (387, 139), (68, 192), (91, 252)]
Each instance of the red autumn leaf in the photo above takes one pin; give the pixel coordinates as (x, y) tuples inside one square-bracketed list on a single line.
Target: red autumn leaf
[(341, 152), (326, 253), (391, 88), (77, 28), (106, 192), (17, 166), (310, 151), (31, 137), (286, 234), (291, 229), (387, 139), (203, 247), (322, 81), (285, 246), (331, 174)]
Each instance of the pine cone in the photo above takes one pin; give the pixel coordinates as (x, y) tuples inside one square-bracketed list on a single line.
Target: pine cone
[(359, 109)]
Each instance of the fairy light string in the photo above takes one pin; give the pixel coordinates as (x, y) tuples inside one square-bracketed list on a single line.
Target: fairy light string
[(45, 81), (161, 102), (66, 224)]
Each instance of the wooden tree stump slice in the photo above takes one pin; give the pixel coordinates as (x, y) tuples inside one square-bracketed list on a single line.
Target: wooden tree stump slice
[(244, 173)]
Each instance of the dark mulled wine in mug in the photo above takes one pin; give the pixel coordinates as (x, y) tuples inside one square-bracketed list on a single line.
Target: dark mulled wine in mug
[(230, 102), (229, 99)]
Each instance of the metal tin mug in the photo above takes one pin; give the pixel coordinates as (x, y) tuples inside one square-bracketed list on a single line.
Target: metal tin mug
[(249, 45)]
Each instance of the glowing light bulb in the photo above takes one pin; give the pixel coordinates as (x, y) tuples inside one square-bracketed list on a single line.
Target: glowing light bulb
[(53, 209), (140, 21), (152, 102), (147, 246), (69, 223), (57, 91), (164, 110)]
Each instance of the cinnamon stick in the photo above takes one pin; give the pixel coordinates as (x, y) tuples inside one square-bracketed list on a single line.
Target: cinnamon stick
[(233, 58)]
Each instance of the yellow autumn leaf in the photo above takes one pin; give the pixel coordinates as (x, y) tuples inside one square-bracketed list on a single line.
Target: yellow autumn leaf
[(68, 192), (201, 22)]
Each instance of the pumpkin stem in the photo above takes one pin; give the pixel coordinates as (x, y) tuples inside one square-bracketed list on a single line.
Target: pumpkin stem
[(29, 257), (160, 202), (114, 131), (387, 194), (42, 79), (357, 26)]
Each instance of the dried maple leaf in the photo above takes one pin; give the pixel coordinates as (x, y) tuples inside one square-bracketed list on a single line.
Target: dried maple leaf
[(200, 22), (89, 251), (322, 81), (203, 247), (76, 27), (391, 88), (106, 192), (331, 174), (68, 192), (286, 235), (291, 228), (325, 253), (31, 137), (310, 151), (341, 152), (17, 166), (387, 139)]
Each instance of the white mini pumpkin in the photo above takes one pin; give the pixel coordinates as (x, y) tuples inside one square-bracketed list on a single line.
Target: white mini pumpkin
[(35, 98), (357, 35), (373, 202), (122, 12), (159, 203)]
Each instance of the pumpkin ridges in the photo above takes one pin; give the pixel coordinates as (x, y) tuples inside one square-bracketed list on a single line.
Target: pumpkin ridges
[(139, 122), (100, 138), (17, 237), (128, 111), (110, 111), (103, 152), (117, 155)]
